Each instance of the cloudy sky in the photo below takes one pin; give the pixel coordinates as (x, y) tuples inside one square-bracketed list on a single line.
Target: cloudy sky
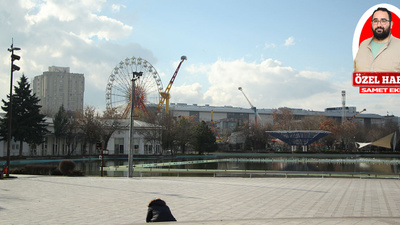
[(284, 53)]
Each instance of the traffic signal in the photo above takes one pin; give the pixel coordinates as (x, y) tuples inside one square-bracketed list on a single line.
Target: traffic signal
[(14, 57), (98, 145)]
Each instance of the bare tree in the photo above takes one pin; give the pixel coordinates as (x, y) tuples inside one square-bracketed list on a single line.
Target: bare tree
[(73, 135), (109, 123), (61, 123), (348, 132), (333, 127), (91, 128), (283, 119), (310, 122)]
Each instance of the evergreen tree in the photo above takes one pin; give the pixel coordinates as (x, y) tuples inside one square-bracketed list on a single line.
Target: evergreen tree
[(4, 120), (204, 140), (28, 125)]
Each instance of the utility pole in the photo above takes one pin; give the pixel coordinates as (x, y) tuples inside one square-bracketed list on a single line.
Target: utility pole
[(10, 107), (135, 76), (343, 106)]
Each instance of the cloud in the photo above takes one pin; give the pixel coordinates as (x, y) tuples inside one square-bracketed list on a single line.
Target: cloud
[(79, 35), (66, 33), (76, 19), (269, 45), (192, 68), (188, 93), (116, 8), (289, 41), (268, 84), (314, 75)]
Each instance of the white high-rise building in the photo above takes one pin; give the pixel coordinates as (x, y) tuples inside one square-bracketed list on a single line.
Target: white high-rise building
[(58, 87)]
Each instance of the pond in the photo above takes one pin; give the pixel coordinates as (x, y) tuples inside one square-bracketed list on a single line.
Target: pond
[(117, 167)]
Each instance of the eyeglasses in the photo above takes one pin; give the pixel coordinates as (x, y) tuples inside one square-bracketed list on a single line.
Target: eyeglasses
[(382, 21)]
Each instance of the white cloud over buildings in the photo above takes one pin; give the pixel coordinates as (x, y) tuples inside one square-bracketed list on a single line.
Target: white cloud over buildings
[(80, 35)]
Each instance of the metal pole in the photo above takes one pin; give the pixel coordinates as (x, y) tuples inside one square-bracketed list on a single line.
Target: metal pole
[(135, 76), (10, 115), (131, 145), (343, 106), (102, 158)]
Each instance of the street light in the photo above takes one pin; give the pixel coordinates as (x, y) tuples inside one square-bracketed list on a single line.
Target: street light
[(13, 68), (135, 76)]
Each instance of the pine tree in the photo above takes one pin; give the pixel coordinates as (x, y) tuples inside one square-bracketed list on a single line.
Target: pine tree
[(28, 125), (4, 120)]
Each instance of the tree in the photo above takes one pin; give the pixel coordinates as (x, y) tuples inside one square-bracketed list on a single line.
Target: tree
[(91, 127), (348, 131), (152, 133), (4, 120), (61, 126), (109, 123), (333, 127), (283, 120), (183, 132), (311, 122), (204, 139), (168, 135), (73, 136), (28, 124), (259, 137)]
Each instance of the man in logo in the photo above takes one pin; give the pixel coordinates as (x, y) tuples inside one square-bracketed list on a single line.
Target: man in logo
[(380, 53)]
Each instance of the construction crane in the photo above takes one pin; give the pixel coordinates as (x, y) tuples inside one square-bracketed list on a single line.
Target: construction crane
[(252, 107), (351, 118), (165, 95), (213, 127)]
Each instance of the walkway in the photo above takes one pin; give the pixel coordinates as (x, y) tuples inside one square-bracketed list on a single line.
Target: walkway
[(196, 200)]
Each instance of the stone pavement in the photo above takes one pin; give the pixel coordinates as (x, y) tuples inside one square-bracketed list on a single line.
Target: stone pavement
[(199, 200)]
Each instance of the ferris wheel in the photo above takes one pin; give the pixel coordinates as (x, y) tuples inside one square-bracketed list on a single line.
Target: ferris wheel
[(119, 86)]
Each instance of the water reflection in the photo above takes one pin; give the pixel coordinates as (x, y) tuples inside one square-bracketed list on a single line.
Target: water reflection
[(296, 164), (118, 167)]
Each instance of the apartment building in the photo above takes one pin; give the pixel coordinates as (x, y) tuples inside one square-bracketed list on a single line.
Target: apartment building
[(57, 87)]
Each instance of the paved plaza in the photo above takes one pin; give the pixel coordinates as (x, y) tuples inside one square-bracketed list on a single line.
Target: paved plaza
[(32, 199)]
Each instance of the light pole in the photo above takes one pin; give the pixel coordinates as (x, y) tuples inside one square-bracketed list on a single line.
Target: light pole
[(10, 106), (135, 76)]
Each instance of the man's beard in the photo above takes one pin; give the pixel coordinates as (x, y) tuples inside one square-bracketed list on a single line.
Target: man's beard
[(381, 36)]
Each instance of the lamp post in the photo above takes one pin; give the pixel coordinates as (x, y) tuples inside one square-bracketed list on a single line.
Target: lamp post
[(135, 76), (10, 106)]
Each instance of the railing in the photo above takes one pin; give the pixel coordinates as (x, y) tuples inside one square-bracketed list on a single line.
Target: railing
[(263, 173), (164, 168), (275, 160)]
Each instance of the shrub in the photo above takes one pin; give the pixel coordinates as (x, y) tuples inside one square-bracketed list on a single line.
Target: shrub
[(67, 167), (36, 170)]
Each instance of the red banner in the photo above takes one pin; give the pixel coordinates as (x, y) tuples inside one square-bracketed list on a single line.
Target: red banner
[(380, 80)]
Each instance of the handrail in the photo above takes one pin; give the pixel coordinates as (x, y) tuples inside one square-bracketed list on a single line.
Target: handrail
[(286, 174)]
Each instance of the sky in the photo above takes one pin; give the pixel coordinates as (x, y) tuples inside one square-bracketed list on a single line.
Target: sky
[(286, 53)]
